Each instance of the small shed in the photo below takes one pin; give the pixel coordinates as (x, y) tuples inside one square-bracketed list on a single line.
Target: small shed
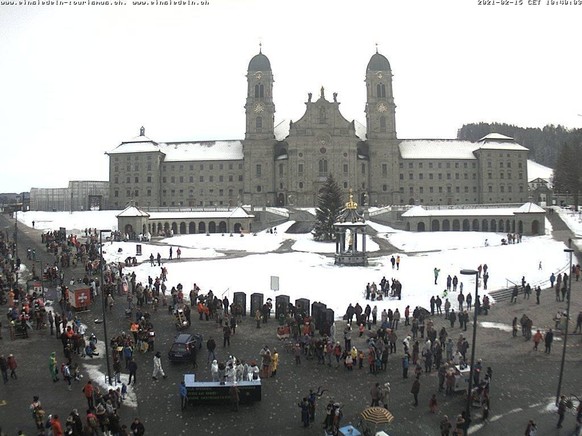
[(132, 220)]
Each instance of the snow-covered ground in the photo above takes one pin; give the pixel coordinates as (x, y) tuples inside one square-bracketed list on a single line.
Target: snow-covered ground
[(309, 271)]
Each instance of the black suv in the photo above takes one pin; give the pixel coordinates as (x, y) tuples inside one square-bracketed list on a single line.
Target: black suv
[(185, 347)]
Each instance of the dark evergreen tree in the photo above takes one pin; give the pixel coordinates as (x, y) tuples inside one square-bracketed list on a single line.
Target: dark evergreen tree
[(568, 172), (330, 204)]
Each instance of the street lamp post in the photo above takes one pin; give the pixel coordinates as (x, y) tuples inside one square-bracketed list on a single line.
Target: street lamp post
[(567, 250), (471, 272), (103, 303)]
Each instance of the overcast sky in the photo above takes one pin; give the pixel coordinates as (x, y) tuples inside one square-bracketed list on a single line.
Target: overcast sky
[(75, 81)]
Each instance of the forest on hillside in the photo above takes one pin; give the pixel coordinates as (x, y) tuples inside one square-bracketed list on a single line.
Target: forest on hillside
[(544, 144)]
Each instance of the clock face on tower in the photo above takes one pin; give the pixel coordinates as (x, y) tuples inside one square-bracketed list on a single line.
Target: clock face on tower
[(259, 107), (379, 75), (382, 107), (258, 75)]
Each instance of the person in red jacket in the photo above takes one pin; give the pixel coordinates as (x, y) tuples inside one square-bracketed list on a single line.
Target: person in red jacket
[(537, 338), (56, 426)]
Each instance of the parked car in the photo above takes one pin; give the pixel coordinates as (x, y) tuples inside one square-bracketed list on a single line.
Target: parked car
[(185, 348)]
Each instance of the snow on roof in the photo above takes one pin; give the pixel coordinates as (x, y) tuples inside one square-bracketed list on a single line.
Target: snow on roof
[(132, 211), (282, 130), (495, 137), (202, 150), (437, 149), (530, 208), (138, 144), (420, 211), (360, 130), (237, 212)]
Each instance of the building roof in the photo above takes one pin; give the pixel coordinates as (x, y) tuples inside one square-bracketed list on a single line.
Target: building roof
[(260, 62), (138, 144), (437, 149), (378, 62), (202, 150), (455, 148), (530, 208), (132, 211)]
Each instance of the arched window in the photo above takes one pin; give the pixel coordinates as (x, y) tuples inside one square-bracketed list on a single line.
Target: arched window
[(382, 123), (259, 90), (322, 166), (380, 90)]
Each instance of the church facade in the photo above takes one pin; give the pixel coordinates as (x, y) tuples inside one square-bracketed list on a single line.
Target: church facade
[(287, 163)]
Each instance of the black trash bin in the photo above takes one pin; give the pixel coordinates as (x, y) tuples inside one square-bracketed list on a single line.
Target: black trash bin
[(240, 298), (302, 306), (329, 316), (256, 303), (281, 306), (318, 314)]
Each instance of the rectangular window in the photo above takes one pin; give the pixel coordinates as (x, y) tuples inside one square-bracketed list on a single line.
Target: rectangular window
[(191, 167), (457, 189), (420, 176), (466, 176), (181, 179), (440, 176), (456, 164), (221, 178), (401, 176), (384, 169), (449, 190), (346, 169), (501, 175), (127, 179), (448, 164), (149, 193), (230, 166), (411, 190), (448, 176), (440, 189), (220, 192), (201, 167), (201, 178), (489, 175), (430, 189), (149, 179), (136, 179), (410, 176), (300, 168), (400, 165), (420, 165), (456, 176), (211, 178), (220, 166), (430, 176), (230, 178), (421, 190), (240, 178), (466, 189), (149, 166), (191, 179), (258, 170), (211, 166), (116, 194), (172, 179), (430, 165), (490, 188)]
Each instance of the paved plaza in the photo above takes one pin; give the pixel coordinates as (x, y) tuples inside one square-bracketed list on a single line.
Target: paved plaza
[(523, 386)]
